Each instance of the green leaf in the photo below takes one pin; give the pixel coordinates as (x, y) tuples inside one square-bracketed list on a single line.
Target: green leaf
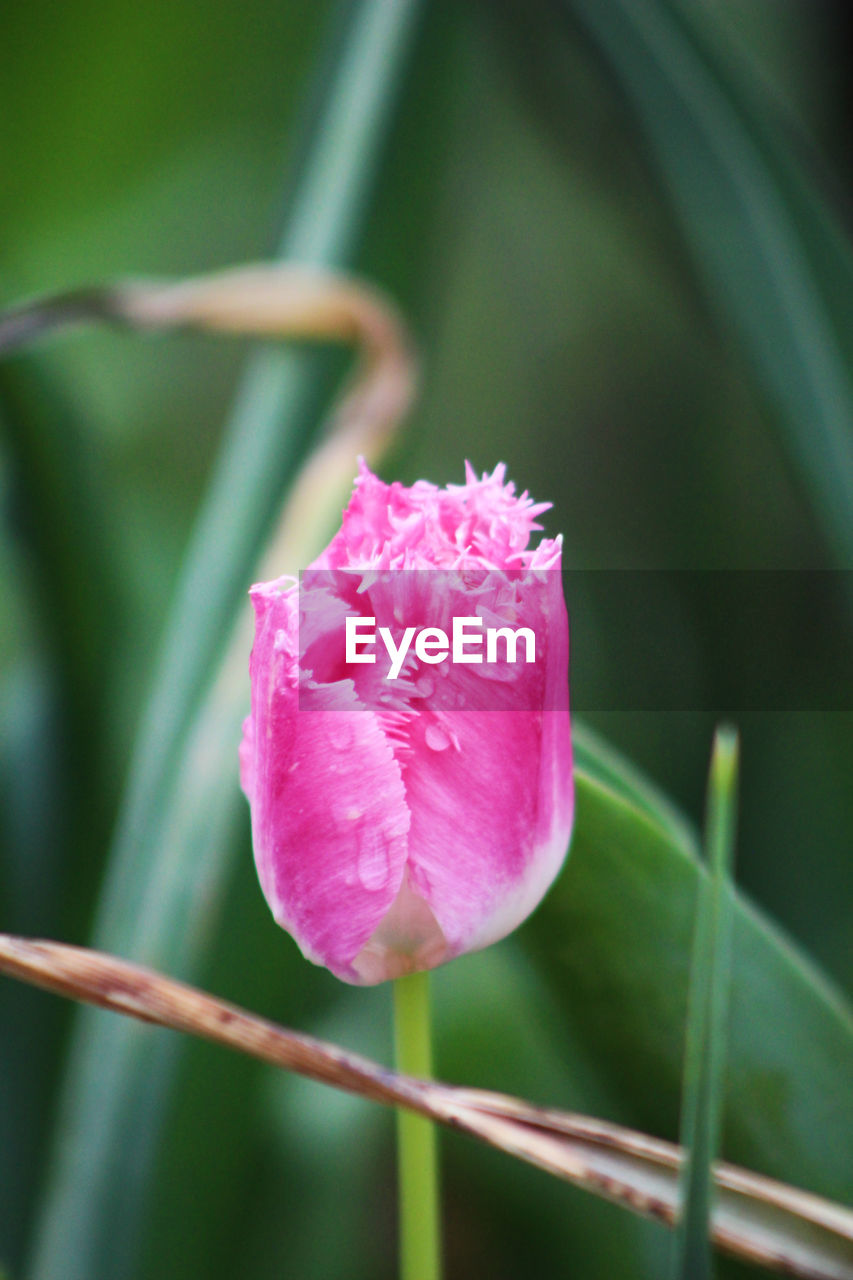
[(704, 1057), (60, 514), (772, 255), (594, 756), (161, 892), (614, 939)]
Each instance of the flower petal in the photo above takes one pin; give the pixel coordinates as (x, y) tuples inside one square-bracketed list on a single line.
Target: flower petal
[(329, 814), (491, 796)]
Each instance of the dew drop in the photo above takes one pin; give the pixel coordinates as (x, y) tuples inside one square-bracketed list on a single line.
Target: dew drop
[(374, 861), (425, 686), (436, 738), (345, 814)]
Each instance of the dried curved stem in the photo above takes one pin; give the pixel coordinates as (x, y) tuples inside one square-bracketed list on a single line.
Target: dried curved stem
[(269, 300), (265, 300), (287, 300), (754, 1218)]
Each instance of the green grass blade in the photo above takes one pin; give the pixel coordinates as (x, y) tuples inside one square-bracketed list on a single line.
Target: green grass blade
[(773, 258), (57, 791), (52, 473), (158, 897), (61, 516), (706, 1024)]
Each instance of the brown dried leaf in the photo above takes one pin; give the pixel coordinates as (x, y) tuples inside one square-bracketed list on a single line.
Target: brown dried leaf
[(754, 1218)]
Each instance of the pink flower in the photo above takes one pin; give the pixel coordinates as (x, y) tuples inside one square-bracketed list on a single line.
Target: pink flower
[(399, 820)]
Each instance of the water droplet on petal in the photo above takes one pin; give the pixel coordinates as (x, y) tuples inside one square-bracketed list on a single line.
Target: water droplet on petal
[(347, 812), (373, 858), (436, 738), (425, 686)]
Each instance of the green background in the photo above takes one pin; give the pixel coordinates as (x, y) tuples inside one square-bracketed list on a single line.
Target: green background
[(590, 308)]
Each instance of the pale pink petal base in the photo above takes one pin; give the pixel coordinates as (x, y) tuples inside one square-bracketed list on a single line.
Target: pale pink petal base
[(407, 940)]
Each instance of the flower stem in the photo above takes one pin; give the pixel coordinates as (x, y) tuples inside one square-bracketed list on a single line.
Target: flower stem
[(417, 1160)]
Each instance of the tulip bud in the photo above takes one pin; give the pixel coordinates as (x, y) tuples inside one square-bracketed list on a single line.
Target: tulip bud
[(407, 758)]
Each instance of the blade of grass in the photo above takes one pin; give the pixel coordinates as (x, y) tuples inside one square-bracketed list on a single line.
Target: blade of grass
[(60, 512), (105, 1135), (773, 258), (54, 730), (704, 1067), (757, 1219)]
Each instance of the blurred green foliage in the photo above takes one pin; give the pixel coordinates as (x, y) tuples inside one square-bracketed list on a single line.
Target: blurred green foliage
[(527, 222)]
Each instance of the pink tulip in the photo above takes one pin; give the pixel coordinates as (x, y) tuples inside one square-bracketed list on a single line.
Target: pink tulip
[(401, 820)]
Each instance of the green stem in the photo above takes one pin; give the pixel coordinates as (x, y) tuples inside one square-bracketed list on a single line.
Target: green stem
[(420, 1228)]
